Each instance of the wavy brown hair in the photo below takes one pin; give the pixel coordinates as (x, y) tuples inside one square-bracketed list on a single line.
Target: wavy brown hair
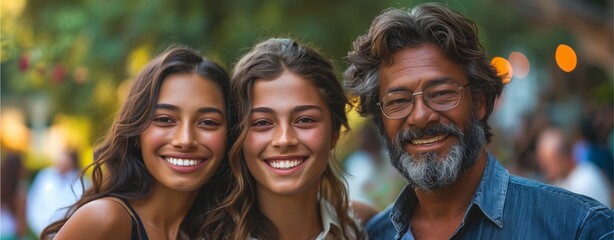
[(118, 168), (429, 23), (239, 215)]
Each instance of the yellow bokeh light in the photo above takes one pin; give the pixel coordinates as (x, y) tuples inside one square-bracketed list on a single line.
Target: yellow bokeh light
[(138, 58), (504, 68), (347, 141), (104, 92), (520, 64), (12, 8), (15, 134), (123, 89), (74, 132), (566, 58)]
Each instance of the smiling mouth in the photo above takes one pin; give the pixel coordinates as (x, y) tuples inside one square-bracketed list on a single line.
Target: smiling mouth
[(182, 162), (428, 140), (285, 164)]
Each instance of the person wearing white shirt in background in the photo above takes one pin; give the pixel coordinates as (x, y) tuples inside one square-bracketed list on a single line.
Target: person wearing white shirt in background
[(369, 177), (53, 189), (555, 160)]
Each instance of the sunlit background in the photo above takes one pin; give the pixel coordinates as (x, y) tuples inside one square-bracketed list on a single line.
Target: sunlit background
[(66, 65)]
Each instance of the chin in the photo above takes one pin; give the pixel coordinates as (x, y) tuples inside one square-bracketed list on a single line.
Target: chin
[(287, 188)]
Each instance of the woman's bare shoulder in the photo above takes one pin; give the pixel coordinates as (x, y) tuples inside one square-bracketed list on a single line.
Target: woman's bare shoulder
[(103, 218)]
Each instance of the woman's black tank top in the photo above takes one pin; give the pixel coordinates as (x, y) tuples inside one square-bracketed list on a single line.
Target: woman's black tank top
[(138, 230)]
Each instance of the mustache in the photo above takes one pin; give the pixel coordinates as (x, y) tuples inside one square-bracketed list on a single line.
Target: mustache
[(406, 135)]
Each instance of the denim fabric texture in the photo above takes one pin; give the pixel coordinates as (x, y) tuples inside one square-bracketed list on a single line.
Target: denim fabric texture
[(505, 206)]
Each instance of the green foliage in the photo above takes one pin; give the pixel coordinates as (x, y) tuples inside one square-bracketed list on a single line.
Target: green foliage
[(66, 48)]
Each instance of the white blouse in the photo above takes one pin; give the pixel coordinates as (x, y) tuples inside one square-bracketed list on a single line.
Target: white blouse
[(329, 220)]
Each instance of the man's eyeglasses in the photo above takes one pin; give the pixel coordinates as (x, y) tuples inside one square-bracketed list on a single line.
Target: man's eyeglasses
[(438, 97)]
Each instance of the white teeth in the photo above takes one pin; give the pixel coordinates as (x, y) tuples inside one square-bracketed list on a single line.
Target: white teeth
[(429, 140), (285, 164), (182, 162)]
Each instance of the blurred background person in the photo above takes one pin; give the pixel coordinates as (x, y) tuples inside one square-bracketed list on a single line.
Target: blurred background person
[(524, 159), (53, 189), (361, 164), (13, 198), (370, 178), (593, 144), (560, 168)]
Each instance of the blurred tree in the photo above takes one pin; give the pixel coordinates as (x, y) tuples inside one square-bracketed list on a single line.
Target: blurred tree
[(76, 54)]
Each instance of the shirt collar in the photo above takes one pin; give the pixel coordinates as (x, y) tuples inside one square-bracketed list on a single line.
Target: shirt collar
[(489, 197), (329, 218), (492, 190), (403, 208)]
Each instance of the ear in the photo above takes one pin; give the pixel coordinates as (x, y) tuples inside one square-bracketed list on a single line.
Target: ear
[(481, 107)]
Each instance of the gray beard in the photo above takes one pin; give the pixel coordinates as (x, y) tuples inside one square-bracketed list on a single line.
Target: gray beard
[(430, 171)]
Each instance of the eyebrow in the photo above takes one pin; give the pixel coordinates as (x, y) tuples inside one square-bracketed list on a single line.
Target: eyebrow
[(294, 110), (426, 84), (439, 81), (200, 110)]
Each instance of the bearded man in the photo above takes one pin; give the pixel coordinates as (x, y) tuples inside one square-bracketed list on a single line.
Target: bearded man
[(424, 77)]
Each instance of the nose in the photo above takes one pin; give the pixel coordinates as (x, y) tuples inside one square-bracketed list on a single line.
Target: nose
[(284, 137), (421, 114), (184, 137)]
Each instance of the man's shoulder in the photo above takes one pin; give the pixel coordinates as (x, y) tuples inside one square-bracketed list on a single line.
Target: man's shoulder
[(558, 209), (380, 225), (537, 192), (380, 219), (520, 192)]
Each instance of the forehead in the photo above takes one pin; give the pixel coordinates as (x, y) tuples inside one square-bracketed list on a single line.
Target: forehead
[(190, 88), (287, 89), (414, 67)]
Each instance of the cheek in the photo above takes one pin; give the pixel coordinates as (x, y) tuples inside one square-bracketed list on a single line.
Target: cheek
[(151, 138), (392, 127), (255, 142), (216, 142), (318, 140), (253, 145)]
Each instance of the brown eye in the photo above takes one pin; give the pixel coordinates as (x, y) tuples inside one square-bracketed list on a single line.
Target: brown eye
[(163, 120), (261, 123), (306, 120), (209, 122)]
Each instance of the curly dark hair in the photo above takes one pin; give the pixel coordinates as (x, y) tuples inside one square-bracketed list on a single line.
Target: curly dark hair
[(429, 23)]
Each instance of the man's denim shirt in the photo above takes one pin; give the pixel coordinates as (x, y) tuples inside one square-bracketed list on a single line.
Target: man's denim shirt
[(508, 207)]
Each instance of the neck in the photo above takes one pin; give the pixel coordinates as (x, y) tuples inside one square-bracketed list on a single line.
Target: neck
[(294, 216), (452, 201), (163, 211)]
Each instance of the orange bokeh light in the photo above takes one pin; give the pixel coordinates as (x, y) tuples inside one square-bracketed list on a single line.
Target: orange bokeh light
[(504, 68), (520, 64), (566, 58)]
